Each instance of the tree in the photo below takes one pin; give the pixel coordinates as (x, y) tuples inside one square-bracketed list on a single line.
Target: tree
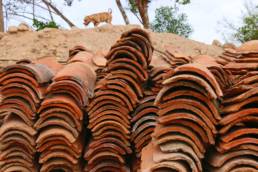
[(122, 11), (1, 17), (140, 9), (34, 9), (167, 19), (248, 28)]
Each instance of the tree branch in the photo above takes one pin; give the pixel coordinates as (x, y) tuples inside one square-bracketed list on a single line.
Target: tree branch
[(50, 13), (119, 5), (59, 13)]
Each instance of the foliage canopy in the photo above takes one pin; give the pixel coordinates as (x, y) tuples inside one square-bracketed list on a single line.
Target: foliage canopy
[(168, 19)]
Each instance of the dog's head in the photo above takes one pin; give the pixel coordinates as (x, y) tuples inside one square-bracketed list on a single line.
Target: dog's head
[(86, 21)]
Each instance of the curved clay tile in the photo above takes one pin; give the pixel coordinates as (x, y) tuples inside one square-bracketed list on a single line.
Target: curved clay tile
[(200, 70), (169, 166), (81, 56), (108, 117), (69, 87), (142, 140), (140, 131), (109, 124), (236, 162), (104, 99), (128, 42), (59, 154), (116, 134), (193, 99), (107, 147), (16, 125), (235, 116), (239, 105), (107, 166), (186, 103), (142, 76), (148, 111), (147, 118), (57, 122), (50, 62), (20, 88), (60, 113), (240, 169), (130, 96), (78, 72), (16, 167), (15, 135), (50, 142), (129, 52), (78, 48), (58, 164), (62, 101), (22, 95), (193, 126), (107, 108), (60, 147), (226, 128), (18, 104), (147, 48), (134, 84), (198, 149), (120, 97), (102, 156), (12, 78), (113, 140), (218, 160), (182, 85), (141, 35), (180, 147), (250, 46), (237, 133), (195, 80), (178, 108), (159, 156), (38, 91), (242, 97), (53, 132), (40, 72), (222, 147), (138, 31), (186, 132), (115, 83)]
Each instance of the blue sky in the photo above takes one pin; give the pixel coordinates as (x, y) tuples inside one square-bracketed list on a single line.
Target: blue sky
[(203, 15)]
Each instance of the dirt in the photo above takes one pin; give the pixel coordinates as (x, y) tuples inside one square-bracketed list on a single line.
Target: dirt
[(57, 42)]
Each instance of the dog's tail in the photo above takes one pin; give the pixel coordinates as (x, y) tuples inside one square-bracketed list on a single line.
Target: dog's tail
[(110, 10)]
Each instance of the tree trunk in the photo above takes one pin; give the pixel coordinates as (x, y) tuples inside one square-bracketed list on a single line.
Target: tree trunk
[(50, 13), (59, 13), (33, 9), (1, 17), (143, 10), (119, 5)]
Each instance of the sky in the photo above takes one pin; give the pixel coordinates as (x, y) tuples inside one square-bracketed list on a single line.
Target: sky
[(205, 16)]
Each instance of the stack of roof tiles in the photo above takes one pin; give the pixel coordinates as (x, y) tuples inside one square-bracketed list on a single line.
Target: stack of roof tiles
[(23, 87), (119, 113), (61, 118), (116, 96), (237, 149), (187, 119)]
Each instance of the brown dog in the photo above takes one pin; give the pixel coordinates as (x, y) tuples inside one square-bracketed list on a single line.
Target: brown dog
[(98, 18)]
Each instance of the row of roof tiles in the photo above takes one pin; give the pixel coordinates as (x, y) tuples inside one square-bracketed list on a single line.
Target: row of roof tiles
[(118, 113)]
